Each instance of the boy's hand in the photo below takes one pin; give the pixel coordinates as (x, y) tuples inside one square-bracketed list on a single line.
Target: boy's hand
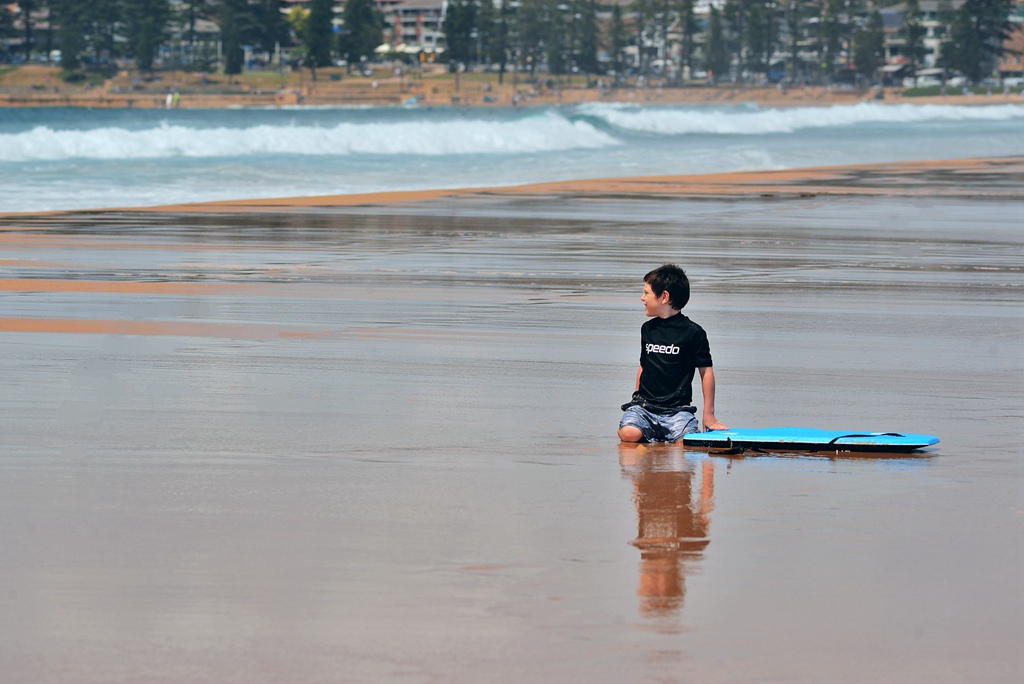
[(707, 384), (711, 423)]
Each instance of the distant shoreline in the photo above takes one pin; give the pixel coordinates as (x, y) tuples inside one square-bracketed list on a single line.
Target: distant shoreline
[(39, 86)]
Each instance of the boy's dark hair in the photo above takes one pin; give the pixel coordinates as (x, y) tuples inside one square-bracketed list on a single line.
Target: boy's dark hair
[(672, 278)]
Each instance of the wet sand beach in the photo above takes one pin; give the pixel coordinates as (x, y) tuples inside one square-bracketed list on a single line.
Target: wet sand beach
[(372, 438)]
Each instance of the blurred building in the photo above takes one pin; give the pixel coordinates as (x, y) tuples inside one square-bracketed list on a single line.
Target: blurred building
[(1011, 65), (413, 25), (931, 21)]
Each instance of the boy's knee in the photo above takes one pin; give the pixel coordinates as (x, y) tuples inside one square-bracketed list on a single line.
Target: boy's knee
[(628, 433)]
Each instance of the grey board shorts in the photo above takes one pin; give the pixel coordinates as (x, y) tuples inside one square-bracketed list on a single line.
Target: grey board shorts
[(659, 427)]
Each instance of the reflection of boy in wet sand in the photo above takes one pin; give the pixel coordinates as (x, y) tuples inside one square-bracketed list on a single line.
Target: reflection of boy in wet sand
[(672, 349), (673, 528)]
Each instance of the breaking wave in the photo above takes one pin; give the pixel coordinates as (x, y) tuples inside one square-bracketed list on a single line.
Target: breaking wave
[(584, 127), (548, 132), (760, 121)]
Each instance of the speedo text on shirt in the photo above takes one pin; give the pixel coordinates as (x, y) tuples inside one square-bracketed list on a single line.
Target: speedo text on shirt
[(671, 350)]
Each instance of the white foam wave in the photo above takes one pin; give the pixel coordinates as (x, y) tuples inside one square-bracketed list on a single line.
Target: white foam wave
[(546, 133), (756, 121)]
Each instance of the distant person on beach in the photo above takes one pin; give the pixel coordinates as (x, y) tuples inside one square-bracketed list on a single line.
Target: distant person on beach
[(672, 349)]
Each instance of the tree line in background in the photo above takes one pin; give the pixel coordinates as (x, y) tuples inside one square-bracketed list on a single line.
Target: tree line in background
[(92, 34), (812, 41)]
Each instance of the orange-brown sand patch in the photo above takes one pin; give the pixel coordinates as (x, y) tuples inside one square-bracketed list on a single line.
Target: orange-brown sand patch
[(83, 326), (30, 263), (916, 178), (20, 236), (124, 287), (186, 288), (161, 328)]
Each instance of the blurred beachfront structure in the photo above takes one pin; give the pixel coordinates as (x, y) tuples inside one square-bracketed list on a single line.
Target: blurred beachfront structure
[(658, 41), (1011, 65), (413, 26), (931, 21)]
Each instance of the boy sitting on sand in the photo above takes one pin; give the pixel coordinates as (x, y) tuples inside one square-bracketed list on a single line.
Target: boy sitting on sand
[(671, 348)]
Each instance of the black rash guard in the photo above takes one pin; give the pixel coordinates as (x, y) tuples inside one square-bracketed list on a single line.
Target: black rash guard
[(671, 349)]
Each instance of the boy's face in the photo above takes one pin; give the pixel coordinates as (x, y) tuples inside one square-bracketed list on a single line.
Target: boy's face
[(655, 305)]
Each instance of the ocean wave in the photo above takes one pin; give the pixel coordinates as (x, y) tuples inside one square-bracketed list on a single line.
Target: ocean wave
[(761, 121), (548, 132)]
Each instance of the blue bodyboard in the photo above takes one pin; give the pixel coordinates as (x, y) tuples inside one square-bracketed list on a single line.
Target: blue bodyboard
[(810, 439)]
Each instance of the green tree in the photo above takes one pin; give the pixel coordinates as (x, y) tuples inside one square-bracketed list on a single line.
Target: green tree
[(193, 53), (662, 20), (296, 19), (589, 37), (270, 27), (189, 13), (145, 26), (687, 28), (795, 11), (236, 24), (502, 38), (68, 17), (531, 30), (734, 15), (556, 45), (6, 26), (977, 36), (947, 17), (718, 58), (963, 50), (486, 31), (27, 7), (319, 34), (869, 46), (645, 23), (102, 20), (914, 34), (617, 42), (760, 35), (830, 37), (459, 26), (362, 31)]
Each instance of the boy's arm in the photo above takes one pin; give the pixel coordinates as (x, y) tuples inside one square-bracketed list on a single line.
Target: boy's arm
[(637, 389), (707, 385)]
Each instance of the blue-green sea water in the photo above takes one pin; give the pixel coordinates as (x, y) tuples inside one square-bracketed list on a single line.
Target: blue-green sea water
[(78, 158)]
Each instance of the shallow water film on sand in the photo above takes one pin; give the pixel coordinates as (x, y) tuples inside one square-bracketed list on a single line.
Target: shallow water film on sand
[(78, 159), (377, 443)]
